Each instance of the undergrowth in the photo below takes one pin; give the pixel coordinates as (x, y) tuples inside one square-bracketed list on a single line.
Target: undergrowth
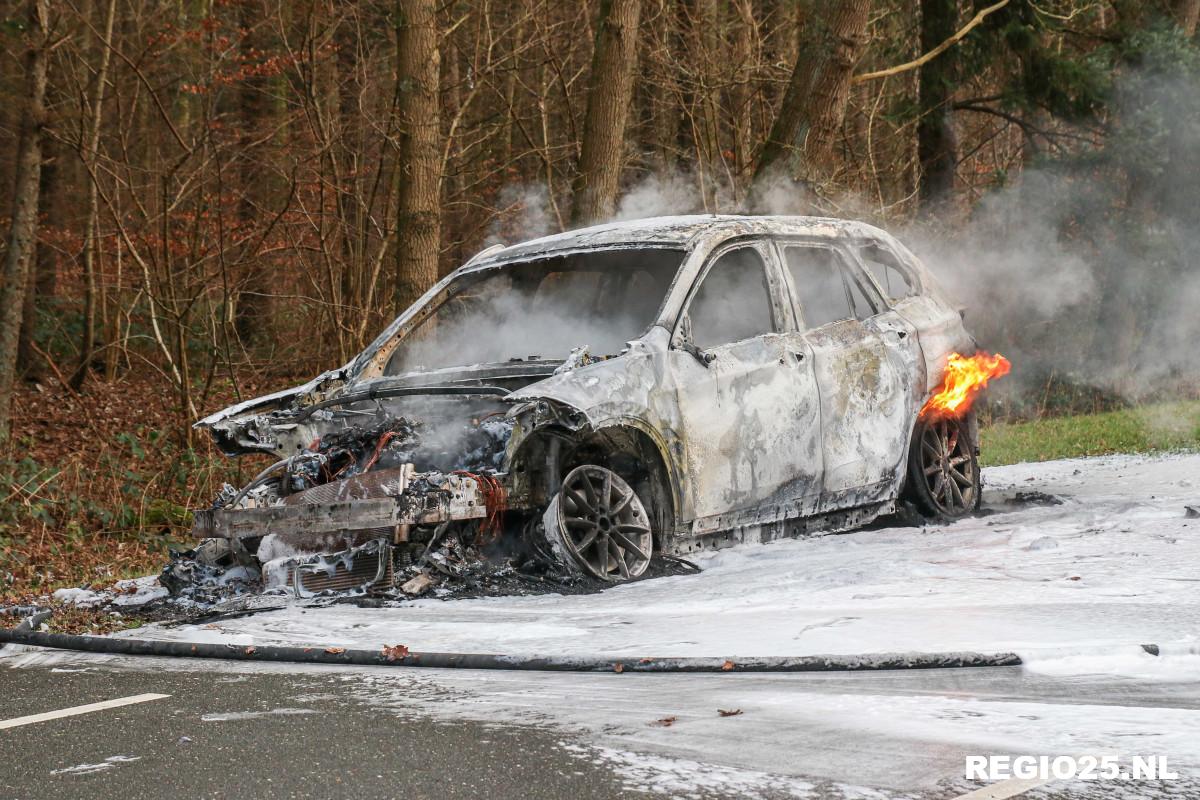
[(1152, 428), (105, 513), (96, 487)]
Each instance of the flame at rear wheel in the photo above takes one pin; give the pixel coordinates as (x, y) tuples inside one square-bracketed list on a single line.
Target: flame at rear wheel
[(964, 378)]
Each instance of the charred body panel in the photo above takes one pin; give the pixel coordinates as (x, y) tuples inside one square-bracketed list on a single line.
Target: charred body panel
[(784, 407)]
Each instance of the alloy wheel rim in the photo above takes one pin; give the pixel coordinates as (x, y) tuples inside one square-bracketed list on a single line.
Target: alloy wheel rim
[(603, 524), (947, 467)]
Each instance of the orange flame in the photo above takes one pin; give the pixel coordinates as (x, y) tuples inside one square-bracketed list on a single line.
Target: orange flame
[(964, 378)]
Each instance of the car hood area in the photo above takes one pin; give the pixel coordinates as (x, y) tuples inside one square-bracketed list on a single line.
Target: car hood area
[(284, 421)]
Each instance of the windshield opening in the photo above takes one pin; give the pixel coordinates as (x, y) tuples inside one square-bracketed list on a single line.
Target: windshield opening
[(542, 308)]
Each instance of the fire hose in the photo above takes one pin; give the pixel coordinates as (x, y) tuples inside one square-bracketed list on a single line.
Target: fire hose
[(25, 633)]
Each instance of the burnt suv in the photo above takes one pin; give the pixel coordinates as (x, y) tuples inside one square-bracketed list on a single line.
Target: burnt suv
[(608, 394)]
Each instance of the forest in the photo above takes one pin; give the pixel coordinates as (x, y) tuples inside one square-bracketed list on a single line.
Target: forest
[(211, 199)]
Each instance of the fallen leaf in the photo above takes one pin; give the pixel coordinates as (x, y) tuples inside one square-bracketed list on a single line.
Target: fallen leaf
[(249, 651), (333, 651), (1074, 578), (665, 722), (729, 712), (728, 665), (618, 667), (394, 652), (645, 660)]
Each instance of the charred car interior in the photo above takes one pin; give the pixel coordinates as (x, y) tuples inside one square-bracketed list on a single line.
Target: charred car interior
[(583, 406)]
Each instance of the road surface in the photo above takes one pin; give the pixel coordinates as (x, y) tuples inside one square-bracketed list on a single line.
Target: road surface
[(275, 732), (1073, 586)]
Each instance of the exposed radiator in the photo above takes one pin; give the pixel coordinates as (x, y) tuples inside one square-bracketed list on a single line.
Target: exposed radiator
[(365, 486), (368, 566)]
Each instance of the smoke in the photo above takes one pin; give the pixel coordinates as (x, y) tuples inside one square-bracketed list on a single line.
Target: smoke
[(524, 212), (1025, 290), (658, 195), (1084, 269)]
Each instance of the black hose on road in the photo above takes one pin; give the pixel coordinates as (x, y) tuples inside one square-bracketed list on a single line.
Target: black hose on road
[(399, 657)]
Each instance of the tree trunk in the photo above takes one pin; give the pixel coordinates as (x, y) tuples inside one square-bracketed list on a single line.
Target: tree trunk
[(23, 229), (418, 219), (937, 148), (41, 285), (610, 94), (705, 44), (90, 158), (1187, 13), (741, 94), (253, 299), (800, 144), (661, 89)]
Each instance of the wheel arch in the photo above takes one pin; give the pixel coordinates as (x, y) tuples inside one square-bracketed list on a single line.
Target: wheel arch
[(629, 447)]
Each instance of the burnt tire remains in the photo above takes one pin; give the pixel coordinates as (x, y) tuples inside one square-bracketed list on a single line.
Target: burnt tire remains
[(598, 525), (943, 471)]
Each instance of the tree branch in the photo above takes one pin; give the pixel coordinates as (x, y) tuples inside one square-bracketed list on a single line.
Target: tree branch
[(935, 52)]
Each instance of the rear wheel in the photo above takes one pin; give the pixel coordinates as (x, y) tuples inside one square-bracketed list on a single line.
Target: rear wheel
[(943, 471)]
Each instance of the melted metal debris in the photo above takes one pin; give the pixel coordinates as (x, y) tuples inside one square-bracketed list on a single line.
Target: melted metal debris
[(484, 577), (1034, 498), (386, 443), (213, 571), (460, 560), (456, 569)]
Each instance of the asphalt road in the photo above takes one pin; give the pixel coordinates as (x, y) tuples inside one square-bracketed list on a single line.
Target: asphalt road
[(263, 735), (231, 730)]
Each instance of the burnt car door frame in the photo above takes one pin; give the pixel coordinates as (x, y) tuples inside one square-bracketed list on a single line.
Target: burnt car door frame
[(938, 325), (749, 412), (866, 375)]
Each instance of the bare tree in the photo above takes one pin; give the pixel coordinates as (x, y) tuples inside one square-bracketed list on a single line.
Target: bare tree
[(43, 279), (89, 153), (937, 148), (806, 127), (23, 228), (253, 301), (418, 215), (1187, 13), (609, 96)]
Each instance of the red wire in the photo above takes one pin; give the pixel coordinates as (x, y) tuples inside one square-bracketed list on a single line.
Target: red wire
[(383, 440), (495, 501)]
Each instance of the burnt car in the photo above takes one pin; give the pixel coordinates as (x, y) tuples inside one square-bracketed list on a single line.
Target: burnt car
[(604, 395)]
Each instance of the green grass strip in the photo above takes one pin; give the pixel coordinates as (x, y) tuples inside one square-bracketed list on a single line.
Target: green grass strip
[(1151, 428)]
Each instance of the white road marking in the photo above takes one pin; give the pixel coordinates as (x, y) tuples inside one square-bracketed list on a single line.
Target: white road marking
[(89, 708), (1003, 790)]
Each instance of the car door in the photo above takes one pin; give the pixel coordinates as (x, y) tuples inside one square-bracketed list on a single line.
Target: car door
[(865, 358), (938, 326), (749, 407)]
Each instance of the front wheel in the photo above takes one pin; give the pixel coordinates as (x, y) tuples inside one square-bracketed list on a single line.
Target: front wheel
[(943, 471), (597, 524)]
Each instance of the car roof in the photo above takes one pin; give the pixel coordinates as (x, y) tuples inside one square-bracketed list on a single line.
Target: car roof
[(679, 230)]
